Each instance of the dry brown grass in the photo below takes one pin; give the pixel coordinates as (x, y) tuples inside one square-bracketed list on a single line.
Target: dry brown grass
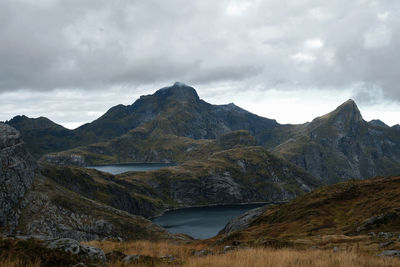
[(288, 257), (154, 249), (19, 263), (248, 257)]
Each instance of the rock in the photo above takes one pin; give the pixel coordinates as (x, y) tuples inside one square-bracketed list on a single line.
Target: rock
[(243, 221), (390, 253), (385, 235), (229, 248), (141, 260), (17, 169), (168, 259), (203, 252), (385, 244), (72, 246), (65, 159), (378, 219)]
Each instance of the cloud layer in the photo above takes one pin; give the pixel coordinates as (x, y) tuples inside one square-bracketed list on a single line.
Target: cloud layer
[(257, 45)]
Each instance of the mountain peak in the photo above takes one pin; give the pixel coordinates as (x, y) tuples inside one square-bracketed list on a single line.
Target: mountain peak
[(348, 109), (179, 91), (345, 114)]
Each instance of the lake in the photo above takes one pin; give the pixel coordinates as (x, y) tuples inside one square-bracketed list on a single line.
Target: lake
[(127, 167), (201, 222)]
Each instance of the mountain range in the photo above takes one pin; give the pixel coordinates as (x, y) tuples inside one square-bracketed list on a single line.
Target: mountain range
[(174, 124)]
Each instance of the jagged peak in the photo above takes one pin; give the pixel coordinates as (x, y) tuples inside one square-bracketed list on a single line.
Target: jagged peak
[(347, 108), (178, 90), (347, 112)]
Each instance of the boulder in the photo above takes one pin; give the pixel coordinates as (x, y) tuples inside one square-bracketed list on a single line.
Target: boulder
[(86, 253), (390, 253)]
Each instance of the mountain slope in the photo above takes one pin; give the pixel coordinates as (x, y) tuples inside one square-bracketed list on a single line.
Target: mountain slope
[(341, 145), (31, 203), (355, 214), (140, 145), (238, 175)]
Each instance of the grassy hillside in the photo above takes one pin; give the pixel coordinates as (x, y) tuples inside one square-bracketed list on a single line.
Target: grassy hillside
[(355, 214), (141, 145)]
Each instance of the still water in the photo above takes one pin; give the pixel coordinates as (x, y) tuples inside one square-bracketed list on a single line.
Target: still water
[(138, 167), (202, 222)]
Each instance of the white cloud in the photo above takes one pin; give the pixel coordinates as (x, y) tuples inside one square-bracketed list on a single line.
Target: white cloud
[(314, 43), (237, 7), (383, 16), (303, 57)]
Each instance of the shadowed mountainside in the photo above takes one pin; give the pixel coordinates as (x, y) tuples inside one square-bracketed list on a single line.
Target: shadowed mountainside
[(341, 145)]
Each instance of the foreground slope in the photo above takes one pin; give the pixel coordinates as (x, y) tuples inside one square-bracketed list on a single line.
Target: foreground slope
[(350, 214)]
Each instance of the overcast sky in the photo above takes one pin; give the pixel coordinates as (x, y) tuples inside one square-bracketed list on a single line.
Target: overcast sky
[(290, 60)]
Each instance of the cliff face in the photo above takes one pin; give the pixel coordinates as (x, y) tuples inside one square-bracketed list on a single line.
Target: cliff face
[(16, 174), (52, 202)]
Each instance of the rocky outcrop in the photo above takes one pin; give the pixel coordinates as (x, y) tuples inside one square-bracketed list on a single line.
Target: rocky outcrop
[(16, 174), (83, 252), (65, 159), (243, 221), (52, 211)]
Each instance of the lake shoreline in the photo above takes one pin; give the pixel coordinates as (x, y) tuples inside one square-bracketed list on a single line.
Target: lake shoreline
[(216, 205), (132, 163)]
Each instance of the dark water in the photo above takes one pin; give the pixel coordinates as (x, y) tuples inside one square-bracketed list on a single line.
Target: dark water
[(138, 167), (202, 222)]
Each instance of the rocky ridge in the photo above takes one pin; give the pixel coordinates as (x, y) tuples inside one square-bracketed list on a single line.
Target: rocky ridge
[(16, 174)]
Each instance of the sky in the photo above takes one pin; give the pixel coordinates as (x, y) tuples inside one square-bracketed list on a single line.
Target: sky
[(289, 60)]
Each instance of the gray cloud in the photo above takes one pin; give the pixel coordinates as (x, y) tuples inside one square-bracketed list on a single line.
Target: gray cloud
[(97, 44)]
